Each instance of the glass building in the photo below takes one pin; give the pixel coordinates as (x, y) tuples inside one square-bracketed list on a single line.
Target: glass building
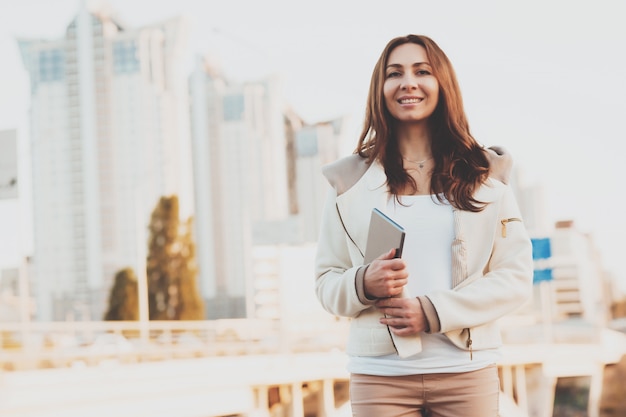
[(109, 128)]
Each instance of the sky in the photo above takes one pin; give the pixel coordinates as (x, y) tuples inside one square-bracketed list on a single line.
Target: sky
[(544, 79)]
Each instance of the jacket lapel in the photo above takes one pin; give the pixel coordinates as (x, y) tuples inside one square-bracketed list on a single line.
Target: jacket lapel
[(355, 206)]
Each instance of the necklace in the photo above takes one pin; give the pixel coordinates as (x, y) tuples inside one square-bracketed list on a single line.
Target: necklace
[(420, 164)]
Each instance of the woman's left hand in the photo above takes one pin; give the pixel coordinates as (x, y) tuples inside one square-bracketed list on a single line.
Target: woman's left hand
[(404, 316)]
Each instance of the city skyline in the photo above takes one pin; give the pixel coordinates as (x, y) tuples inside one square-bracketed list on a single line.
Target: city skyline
[(115, 125), (543, 80), (108, 112)]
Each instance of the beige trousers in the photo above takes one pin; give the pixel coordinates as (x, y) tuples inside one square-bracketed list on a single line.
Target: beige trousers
[(465, 394)]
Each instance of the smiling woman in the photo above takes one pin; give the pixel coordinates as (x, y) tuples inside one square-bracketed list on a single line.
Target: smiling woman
[(426, 322), (522, 88), (411, 90)]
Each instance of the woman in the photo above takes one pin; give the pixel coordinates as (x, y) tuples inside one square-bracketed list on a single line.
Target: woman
[(423, 338)]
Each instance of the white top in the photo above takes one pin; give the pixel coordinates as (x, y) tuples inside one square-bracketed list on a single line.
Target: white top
[(429, 227)]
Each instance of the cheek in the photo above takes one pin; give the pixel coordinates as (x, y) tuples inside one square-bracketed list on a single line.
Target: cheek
[(433, 93), (388, 93), (434, 89)]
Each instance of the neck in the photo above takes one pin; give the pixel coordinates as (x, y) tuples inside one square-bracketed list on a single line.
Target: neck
[(414, 142)]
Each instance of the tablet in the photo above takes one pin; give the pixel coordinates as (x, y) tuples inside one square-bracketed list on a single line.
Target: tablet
[(383, 234)]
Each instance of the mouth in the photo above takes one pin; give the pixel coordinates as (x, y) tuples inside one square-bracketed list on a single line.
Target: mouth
[(410, 100)]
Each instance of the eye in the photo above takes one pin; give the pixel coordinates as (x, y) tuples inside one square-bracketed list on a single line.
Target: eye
[(393, 74), (422, 72)]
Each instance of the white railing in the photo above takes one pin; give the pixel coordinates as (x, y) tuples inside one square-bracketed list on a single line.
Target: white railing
[(37, 345)]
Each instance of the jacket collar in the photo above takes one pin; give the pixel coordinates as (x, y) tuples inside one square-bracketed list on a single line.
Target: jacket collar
[(370, 191)]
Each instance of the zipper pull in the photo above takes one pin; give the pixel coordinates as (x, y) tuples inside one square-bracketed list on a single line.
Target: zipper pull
[(505, 221), (469, 344)]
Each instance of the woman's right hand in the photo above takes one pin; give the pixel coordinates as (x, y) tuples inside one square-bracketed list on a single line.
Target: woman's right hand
[(385, 276)]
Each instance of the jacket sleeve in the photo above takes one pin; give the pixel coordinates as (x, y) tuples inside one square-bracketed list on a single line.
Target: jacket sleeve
[(505, 285), (336, 278)]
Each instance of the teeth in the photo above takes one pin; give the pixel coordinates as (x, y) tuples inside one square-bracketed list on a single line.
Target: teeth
[(410, 100)]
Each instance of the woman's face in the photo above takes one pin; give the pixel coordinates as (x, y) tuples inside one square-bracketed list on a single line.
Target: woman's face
[(411, 90)]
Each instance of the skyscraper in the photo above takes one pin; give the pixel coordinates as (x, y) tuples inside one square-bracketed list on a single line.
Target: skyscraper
[(284, 251), (316, 146), (108, 125), (257, 171), (240, 172)]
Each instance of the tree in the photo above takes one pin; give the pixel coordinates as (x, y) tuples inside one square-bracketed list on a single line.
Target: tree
[(171, 266), (192, 307), (123, 301)]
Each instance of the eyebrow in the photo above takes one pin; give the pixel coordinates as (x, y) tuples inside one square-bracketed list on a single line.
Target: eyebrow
[(416, 64)]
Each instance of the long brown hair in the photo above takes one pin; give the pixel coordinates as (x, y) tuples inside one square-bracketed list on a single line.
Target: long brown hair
[(461, 165)]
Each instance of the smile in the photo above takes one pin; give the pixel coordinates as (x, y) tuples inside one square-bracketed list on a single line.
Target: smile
[(410, 100)]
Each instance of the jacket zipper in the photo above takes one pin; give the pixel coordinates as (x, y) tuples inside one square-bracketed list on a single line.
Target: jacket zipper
[(505, 221), (469, 344)]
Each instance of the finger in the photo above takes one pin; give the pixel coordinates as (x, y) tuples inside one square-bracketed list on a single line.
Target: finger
[(397, 264), (396, 303), (402, 331), (396, 323), (394, 291), (388, 255)]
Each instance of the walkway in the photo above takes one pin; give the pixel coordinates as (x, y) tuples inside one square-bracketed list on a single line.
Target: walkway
[(203, 387), (288, 384)]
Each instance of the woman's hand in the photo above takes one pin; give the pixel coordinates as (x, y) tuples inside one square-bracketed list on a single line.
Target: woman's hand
[(385, 276), (404, 316)]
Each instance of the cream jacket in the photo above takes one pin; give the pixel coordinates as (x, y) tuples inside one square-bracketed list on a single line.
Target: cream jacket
[(491, 264)]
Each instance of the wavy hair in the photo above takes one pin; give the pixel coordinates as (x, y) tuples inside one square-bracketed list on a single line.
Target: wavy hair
[(461, 164)]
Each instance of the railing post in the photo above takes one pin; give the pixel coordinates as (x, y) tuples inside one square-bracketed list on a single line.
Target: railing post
[(595, 391), (297, 400), (326, 399), (261, 402), (520, 387), (507, 380)]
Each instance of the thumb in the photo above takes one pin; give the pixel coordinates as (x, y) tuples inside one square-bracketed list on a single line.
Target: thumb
[(388, 255)]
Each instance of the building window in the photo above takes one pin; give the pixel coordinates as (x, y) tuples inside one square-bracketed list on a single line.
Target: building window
[(306, 143), (51, 65), (125, 59), (233, 107)]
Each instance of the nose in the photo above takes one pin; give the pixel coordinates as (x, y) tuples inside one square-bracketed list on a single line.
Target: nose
[(409, 82)]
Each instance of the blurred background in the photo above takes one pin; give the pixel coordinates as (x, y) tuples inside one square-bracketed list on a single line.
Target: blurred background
[(161, 188)]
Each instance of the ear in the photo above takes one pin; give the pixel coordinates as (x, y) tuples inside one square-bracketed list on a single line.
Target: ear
[(500, 163)]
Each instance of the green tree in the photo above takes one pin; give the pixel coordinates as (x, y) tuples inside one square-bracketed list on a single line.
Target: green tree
[(192, 307), (123, 299), (171, 266)]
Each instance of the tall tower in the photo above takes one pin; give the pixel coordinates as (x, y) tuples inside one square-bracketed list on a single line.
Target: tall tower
[(108, 124), (240, 174), (316, 146)]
